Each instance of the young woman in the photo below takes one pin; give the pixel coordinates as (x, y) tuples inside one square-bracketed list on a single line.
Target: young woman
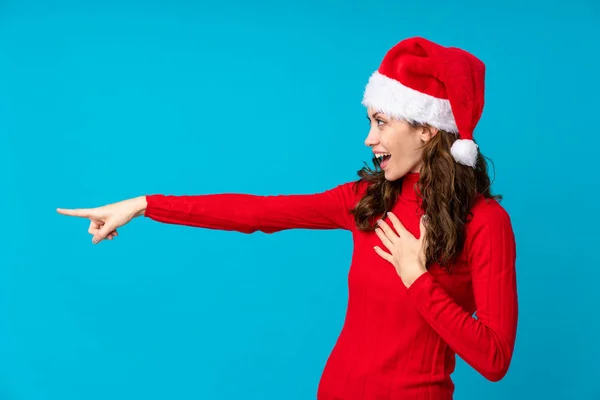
[(432, 245)]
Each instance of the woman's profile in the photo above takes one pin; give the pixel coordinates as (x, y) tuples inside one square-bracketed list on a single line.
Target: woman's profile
[(432, 244)]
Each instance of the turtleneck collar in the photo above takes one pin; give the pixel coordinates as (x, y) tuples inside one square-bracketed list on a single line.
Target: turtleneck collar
[(409, 191)]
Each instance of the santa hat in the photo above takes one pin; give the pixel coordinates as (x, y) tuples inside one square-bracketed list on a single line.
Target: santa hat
[(421, 81)]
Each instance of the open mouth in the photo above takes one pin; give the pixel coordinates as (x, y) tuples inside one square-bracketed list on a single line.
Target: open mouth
[(383, 159)]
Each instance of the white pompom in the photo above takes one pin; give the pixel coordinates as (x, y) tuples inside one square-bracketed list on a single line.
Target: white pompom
[(465, 152)]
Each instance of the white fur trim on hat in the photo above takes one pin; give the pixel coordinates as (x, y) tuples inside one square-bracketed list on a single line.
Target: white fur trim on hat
[(392, 98), (464, 151)]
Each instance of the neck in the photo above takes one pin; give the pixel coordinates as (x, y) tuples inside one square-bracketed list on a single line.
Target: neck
[(409, 190)]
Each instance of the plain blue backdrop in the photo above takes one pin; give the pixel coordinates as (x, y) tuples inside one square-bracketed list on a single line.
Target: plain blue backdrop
[(103, 101)]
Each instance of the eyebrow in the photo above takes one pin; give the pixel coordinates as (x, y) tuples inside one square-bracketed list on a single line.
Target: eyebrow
[(373, 116)]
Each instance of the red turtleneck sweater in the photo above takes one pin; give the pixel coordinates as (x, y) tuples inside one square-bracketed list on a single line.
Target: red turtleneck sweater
[(396, 342)]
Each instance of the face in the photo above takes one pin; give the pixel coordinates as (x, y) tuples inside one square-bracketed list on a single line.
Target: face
[(397, 142)]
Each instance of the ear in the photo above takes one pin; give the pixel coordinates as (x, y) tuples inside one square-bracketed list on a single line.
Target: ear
[(427, 133)]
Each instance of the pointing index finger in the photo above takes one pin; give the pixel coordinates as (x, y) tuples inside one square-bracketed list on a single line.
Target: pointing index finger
[(76, 212)]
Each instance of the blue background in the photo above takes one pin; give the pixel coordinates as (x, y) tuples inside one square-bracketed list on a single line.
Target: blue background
[(109, 100)]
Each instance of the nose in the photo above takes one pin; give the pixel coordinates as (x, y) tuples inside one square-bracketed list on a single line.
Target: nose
[(372, 138)]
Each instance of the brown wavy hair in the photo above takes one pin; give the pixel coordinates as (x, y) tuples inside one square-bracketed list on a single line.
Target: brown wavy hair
[(447, 193)]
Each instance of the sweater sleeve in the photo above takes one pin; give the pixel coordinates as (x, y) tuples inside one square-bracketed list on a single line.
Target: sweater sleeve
[(486, 343), (248, 213)]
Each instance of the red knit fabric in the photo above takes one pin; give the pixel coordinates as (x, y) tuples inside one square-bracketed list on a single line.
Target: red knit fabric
[(396, 342)]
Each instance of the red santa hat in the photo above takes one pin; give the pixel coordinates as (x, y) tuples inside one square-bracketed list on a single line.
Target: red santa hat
[(421, 81)]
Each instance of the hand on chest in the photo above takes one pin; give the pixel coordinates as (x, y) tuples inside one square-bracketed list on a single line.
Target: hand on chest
[(393, 256)]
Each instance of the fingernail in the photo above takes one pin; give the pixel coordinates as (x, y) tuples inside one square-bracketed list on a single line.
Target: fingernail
[(95, 240)]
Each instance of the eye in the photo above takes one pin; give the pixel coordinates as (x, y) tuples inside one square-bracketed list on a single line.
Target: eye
[(378, 120)]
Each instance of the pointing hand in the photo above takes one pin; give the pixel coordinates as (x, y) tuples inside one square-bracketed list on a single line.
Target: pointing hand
[(105, 220)]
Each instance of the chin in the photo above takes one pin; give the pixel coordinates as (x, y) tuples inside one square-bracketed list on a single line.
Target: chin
[(397, 172), (391, 176)]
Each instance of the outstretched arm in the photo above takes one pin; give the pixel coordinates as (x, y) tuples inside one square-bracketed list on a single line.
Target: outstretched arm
[(248, 213), (235, 212)]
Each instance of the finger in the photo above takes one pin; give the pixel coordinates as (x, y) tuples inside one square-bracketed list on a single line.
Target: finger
[(94, 227), (109, 236), (391, 235), (75, 212), (386, 242), (398, 225), (386, 256), (95, 224), (102, 233), (422, 228), (98, 222)]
